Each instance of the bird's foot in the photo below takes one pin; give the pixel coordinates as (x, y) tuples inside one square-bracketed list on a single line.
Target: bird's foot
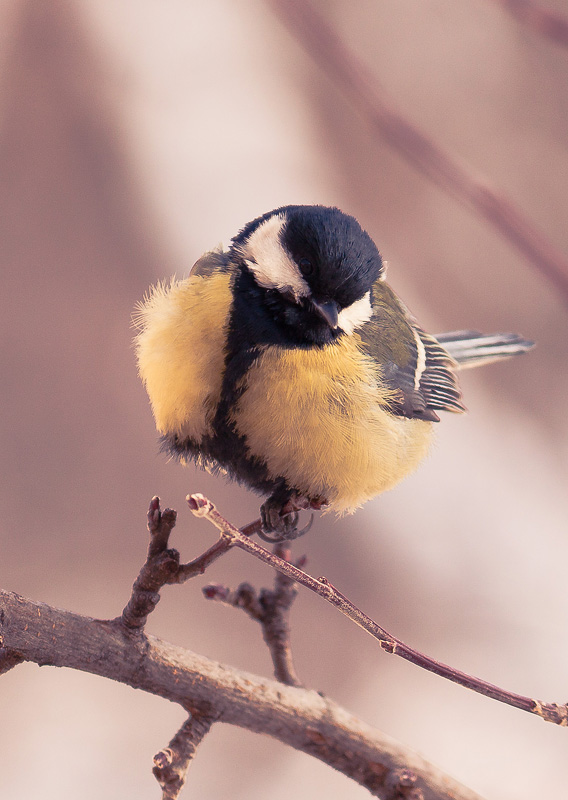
[(280, 519)]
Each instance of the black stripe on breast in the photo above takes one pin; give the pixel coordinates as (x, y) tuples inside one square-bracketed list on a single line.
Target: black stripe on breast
[(249, 328)]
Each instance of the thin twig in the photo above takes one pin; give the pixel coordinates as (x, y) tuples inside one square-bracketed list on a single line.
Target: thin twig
[(171, 763), (551, 712), (343, 66), (271, 608), (541, 20), (200, 564), (162, 565), (276, 619)]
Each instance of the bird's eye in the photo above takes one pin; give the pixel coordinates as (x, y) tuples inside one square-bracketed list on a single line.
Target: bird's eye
[(306, 266)]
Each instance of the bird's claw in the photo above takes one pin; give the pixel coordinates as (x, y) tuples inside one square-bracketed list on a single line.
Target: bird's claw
[(280, 521), (277, 527)]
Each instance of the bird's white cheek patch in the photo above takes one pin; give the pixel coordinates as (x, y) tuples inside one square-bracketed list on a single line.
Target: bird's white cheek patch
[(356, 314), (271, 265)]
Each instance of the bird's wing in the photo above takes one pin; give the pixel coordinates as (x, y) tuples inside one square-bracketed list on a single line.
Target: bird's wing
[(210, 262), (414, 364)]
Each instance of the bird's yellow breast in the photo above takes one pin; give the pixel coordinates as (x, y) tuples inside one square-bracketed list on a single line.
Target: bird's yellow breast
[(180, 351), (319, 418)]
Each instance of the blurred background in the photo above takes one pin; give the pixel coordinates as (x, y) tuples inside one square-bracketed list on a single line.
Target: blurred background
[(134, 135)]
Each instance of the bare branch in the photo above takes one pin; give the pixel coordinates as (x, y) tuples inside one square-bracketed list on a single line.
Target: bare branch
[(271, 608), (550, 712), (171, 763), (300, 718), (402, 785), (541, 20), (343, 66), (9, 659)]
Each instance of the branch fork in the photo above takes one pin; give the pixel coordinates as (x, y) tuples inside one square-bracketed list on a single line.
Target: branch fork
[(163, 566)]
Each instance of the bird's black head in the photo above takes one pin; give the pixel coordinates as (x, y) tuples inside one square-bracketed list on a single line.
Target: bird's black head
[(311, 269)]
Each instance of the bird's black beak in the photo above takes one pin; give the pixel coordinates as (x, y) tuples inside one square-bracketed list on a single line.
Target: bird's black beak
[(328, 311)]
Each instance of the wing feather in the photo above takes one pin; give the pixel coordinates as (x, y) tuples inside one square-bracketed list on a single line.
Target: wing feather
[(413, 362)]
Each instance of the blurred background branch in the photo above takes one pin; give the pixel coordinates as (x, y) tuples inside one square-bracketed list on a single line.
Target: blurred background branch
[(325, 45), (539, 19)]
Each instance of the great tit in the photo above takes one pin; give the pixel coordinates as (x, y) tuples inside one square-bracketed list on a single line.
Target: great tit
[(289, 364)]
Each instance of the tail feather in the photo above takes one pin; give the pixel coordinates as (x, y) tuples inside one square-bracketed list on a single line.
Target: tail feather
[(472, 348)]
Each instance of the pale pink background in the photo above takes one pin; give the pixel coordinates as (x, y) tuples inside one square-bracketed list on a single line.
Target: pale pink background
[(135, 135)]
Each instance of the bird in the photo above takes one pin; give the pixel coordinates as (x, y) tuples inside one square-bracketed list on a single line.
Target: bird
[(288, 364)]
